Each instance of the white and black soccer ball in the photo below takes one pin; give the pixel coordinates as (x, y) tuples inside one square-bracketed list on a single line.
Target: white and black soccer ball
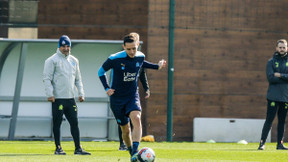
[(146, 154)]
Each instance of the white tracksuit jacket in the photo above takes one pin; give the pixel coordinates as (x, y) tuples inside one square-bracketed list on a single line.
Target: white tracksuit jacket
[(60, 76)]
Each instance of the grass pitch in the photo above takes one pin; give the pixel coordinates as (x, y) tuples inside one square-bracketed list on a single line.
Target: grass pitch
[(33, 151)]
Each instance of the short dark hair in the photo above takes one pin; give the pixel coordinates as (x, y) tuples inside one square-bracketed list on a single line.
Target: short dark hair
[(281, 41), (130, 38)]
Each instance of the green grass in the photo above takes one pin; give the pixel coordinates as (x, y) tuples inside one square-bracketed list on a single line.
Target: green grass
[(165, 152)]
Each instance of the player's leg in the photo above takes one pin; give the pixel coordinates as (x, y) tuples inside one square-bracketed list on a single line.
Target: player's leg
[(70, 111), (282, 112), (131, 126), (272, 107), (126, 135), (122, 146), (57, 117), (118, 106), (134, 110), (135, 117)]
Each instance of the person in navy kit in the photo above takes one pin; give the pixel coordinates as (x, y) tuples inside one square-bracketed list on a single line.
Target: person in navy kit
[(144, 82), (123, 90), (277, 94)]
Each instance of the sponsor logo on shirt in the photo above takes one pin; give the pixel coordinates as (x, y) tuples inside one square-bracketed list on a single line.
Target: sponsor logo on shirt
[(128, 77)]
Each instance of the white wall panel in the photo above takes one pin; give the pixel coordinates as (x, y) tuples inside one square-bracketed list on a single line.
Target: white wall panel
[(9, 72), (228, 129), (6, 107)]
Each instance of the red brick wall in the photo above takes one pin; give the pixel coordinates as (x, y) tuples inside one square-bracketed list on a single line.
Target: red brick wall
[(221, 50)]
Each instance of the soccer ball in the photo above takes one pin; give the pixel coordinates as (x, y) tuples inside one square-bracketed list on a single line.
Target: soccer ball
[(146, 154)]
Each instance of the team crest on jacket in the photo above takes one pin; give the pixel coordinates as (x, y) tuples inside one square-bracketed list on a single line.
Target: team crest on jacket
[(72, 63), (122, 66), (277, 64), (137, 64)]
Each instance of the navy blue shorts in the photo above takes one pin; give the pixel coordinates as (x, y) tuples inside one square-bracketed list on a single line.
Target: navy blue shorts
[(122, 106)]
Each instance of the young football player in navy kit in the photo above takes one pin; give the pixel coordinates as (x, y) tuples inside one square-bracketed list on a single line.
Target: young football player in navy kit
[(123, 90), (144, 82)]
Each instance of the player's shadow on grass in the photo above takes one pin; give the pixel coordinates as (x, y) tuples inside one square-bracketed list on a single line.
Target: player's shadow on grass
[(240, 150), (11, 154), (68, 151)]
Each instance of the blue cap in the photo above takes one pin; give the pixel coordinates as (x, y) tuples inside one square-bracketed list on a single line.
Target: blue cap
[(64, 40)]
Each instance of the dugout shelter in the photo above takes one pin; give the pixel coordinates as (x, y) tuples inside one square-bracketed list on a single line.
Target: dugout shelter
[(24, 110)]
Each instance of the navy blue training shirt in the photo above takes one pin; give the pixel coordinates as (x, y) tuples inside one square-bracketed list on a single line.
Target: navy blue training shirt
[(124, 72)]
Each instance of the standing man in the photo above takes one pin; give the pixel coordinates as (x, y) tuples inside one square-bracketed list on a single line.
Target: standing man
[(277, 95), (60, 76), (142, 75), (123, 90)]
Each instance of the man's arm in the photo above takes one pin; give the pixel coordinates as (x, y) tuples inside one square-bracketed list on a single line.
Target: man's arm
[(102, 76), (149, 65), (144, 82), (79, 84), (283, 76), (272, 76), (48, 74)]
